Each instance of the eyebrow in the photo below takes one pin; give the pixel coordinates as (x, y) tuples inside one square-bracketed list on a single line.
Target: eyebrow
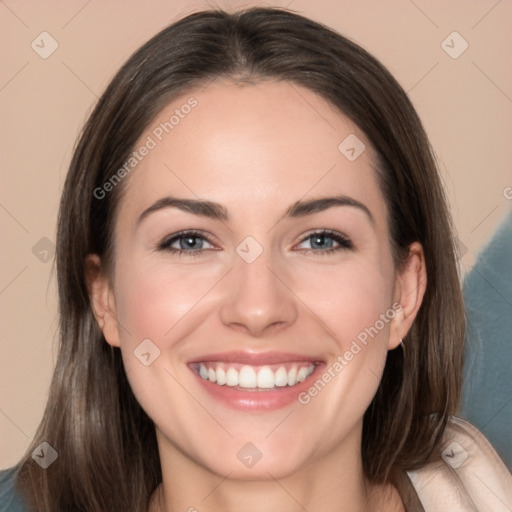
[(216, 211)]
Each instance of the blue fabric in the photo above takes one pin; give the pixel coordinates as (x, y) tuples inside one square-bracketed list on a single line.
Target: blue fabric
[(10, 499), (487, 388)]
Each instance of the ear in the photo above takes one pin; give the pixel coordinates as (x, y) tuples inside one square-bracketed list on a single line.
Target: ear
[(102, 301), (410, 286)]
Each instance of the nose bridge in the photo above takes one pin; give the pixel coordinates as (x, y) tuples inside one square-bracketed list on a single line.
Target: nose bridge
[(256, 297)]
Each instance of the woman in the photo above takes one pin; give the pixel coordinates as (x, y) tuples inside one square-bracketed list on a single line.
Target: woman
[(259, 299)]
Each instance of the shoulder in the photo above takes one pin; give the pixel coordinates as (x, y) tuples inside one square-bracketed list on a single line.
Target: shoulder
[(469, 475), (10, 500)]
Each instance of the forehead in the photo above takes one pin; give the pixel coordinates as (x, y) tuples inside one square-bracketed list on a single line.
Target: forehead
[(252, 146)]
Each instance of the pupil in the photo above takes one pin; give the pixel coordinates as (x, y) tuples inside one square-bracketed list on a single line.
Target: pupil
[(320, 241), (190, 241)]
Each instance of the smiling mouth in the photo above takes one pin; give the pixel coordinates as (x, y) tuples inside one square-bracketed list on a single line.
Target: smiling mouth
[(254, 378)]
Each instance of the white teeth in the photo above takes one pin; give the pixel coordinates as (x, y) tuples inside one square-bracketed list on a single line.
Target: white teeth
[(292, 376), (232, 377), (249, 377), (221, 376), (281, 377), (301, 374), (265, 378)]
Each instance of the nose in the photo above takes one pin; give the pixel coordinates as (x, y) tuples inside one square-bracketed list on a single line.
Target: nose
[(258, 300)]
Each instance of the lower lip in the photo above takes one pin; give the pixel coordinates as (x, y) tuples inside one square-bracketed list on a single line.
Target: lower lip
[(257, 400)]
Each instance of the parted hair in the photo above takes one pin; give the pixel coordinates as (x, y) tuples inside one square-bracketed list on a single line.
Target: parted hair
[(107, 452)]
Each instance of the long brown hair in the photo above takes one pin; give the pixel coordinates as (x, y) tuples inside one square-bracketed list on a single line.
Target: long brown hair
[(108, 458)]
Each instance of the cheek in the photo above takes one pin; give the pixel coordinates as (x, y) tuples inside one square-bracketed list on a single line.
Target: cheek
[(354, 304), (162, 304), (350, 299), (152, 299)]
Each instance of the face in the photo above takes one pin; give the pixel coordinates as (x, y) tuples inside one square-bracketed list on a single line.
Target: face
[(254, 296)]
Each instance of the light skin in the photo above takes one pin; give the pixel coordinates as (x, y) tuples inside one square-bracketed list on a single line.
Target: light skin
[(256, 150)]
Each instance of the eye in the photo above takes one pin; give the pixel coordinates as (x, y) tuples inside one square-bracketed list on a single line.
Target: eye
[(189, 243), (326, 242)]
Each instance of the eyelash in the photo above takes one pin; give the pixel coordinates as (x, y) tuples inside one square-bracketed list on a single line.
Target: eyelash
[(166, 244), (344, 243)]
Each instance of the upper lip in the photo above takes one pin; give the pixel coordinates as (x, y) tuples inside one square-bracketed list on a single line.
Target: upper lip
[(255, 358)]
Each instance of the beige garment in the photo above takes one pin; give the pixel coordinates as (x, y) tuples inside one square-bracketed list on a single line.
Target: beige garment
[(470, 476)]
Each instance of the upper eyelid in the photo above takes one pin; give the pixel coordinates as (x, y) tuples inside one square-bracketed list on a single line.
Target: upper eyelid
[(342, 238), (168, 240)]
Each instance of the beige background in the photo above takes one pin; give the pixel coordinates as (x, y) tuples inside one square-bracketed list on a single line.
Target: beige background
[(465, 103)]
